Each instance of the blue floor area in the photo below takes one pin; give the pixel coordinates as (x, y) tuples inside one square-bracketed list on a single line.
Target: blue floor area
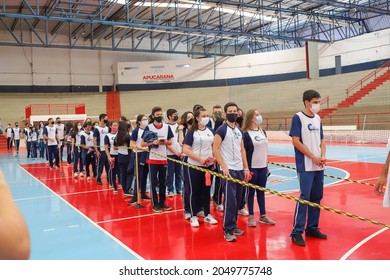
[(60, 232)]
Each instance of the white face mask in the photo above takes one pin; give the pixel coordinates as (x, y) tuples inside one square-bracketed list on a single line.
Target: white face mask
[(144, 123), (315, 108), (259, 119), (79, 127), (204, 121)]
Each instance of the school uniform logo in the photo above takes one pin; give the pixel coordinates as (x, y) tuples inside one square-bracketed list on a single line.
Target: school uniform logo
[(312, 128)]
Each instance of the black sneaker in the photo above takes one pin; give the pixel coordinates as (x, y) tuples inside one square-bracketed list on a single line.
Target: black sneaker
[(166, 207), (145, 196), (157, 209), (132, 201), (99, 182), (298, 240), (316, 233)]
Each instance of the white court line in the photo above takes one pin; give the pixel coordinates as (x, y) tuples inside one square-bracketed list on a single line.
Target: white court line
[(361, 243), (140, 216), (87, 218)]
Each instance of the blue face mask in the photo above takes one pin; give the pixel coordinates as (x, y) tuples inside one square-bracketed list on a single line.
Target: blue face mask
[(259, 119)]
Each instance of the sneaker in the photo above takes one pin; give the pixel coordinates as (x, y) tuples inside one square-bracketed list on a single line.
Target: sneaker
[(251, 221), (316, 233), (88, 179), (132, 201), (75, 175), (243, 212), (238, 232), (126, 194), (115, 191), (179, 193), (194, 221), (171, 194), (210, 219), (220, 207), (230, 237), (156, 209), (166, 207), (266, 220), (81, 174), (298, 239), (200, 214), (145, 197), (99, 182), (187, 216)]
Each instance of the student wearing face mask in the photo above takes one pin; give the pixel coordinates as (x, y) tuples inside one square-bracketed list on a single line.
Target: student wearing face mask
[(228, 149), (34, 142), (99, 134), (78, 164), (143, 170), (112, 155), (51, 137), (16, 135), (174, 151), (88, 150), (8, 133), (198, 147), (309, 146), (122, 141), (186, 121), (157, 164), (61, 135), (256, 147), (27, 136), (68, 141), (41, 144)]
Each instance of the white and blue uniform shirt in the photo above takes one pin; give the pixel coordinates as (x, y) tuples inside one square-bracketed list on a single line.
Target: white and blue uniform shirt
[(136, 136), (164, 132), (201, 142), (86, 138), (34, 136), (16, 133), (109, 141), (257, 153), (100, 133), (60, 131), (231, 146), (50, 132), (27, 132), (8, 131), (175, 139), (309, 131), (40, 133)]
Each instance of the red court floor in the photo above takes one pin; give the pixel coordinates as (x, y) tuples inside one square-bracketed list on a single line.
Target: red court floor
[(168, 236)]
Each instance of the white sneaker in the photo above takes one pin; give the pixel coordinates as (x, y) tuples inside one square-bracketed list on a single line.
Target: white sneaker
[(220, 207), (243, 212), (75, 175), (194, 222), (187, 216), (81, 174), (200, 214), (88, 179), (210, 219)]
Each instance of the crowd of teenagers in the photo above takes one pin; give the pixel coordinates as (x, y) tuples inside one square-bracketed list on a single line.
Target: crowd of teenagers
[(230, 142)]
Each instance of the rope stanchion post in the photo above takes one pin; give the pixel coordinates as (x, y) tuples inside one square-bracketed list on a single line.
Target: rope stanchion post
[(137, 187)]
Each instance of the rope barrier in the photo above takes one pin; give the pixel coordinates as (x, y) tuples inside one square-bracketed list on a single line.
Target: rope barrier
[(329, 176), (280, 194)]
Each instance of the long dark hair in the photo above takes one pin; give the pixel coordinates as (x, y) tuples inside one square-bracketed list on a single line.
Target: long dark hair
[(183, 119), (139, 118), (122, 134)]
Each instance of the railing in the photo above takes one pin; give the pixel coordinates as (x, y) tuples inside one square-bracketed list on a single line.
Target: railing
[(325, 100), (373, 74), (54, 109), (361, 120)]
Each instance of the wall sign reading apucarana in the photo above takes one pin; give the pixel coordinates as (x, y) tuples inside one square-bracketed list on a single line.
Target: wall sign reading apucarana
[(158, 78)]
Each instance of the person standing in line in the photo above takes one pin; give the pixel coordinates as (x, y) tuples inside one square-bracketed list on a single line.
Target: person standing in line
[(122, 141), (380, 185), (78, 164), (16, 135), (34, 142), (112, 155), (41, 144), (256, 148), (99, 134), (309, 146), (68, 139), (157, 164), (136, 141), (27, 136), (186, 121), (88, 150), (61, 135), (228, 149), (175, 171), (198, 147), (51, 137), (8, 133)]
